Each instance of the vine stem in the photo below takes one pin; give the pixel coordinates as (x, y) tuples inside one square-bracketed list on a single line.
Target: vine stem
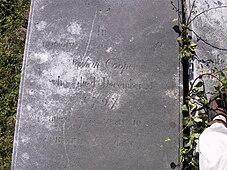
[(200, 77), (190, 13), (224, 6), (206, 74)]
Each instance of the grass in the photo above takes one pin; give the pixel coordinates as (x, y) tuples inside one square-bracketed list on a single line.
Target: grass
[(13, 23)]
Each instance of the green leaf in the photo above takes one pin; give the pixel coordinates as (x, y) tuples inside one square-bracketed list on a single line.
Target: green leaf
[(182, 158), (175, 20), (222, 74), (168, 139), (194, 108), (185, 137), (185, 121), (190, 102), (204, 101), (193, 45), (190, 123), (199, 84), (197, 119), (188, 144), (179, 38), (195, 135), (184, 108), (200, 93)]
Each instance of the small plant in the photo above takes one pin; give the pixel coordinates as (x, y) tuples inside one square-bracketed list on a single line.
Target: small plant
[(197, 107), (196, 101)]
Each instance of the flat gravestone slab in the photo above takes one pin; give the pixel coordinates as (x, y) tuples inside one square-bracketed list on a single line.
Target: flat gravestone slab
[(100, 87)]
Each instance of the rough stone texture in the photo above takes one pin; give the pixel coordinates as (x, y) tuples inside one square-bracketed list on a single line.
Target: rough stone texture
[(210, 33), (100, 87)]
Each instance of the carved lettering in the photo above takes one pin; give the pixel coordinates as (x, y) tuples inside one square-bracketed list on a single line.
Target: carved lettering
[(103, 45), (60, 45), (97, 101), (86, 64), (106, 83), (123, 142), (101, 30), (118, 122), (102, 9), (58, 118), (136, 122), (81, 83), (116, 64), (68, 141), (103, 83)]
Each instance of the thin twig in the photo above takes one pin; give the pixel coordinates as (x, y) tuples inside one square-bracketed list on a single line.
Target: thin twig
[(205, 12), (177, 10), (206, 74), (193, 4)]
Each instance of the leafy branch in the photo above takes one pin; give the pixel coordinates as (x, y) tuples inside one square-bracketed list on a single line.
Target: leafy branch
[(196, 100)]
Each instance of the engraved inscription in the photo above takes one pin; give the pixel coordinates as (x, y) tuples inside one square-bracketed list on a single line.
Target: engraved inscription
[(103, 83), (60, 45), (129, 122), (86, 64), (99, 101), (89, 3), (68, 141), (123, 142), (58, 118), (116, 64), (113, 122), (103, 45), (94, 3), (116, 122), (76, 83), (60, 140), (115, 142), (106, 83), (101, 30)]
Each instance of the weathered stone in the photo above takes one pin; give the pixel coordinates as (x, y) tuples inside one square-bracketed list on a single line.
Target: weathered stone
[(209, 32), (100, 87)]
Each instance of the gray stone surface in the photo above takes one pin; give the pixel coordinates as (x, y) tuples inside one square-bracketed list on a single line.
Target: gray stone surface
[(100, 87), (210, 33)]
